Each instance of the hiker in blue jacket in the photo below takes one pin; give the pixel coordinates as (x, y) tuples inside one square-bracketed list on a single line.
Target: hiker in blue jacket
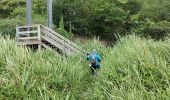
[(94, 60)]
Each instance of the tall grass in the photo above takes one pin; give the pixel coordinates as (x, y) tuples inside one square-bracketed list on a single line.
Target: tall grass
[(135, 69)]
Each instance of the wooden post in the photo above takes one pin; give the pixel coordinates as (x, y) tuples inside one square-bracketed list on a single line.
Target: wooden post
[(39, 38), (64, 47), (17, 35)]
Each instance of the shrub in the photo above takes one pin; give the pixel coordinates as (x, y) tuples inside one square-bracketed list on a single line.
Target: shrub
[(7, 26), (61, 30), (158, 31)]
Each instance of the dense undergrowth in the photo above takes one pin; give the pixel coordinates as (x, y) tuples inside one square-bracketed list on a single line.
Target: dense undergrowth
[(134, 69)]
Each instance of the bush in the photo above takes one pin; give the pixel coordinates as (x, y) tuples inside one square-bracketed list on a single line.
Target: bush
[(7, 7), (158, 31), (61, 30), (107, 21), (7, 26)]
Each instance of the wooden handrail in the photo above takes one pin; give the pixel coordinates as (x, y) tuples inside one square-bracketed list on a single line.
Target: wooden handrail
[(65, 39), (27, 26), (41, 33)]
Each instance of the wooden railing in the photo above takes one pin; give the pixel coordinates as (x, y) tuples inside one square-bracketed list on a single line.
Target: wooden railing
[(39, 34)]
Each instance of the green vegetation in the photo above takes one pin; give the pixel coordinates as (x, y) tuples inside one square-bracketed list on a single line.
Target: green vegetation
[(104, 18), (12, 14), (109, 18), (136, 68)]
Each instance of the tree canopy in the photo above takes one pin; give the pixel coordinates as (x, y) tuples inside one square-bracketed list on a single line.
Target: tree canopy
[(103, 18)]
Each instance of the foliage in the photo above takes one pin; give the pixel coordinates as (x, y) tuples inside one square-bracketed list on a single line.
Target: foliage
[(159, 30), (61, 30), (156, 13), (103, 18), (7, 26), (136, 68), (13, 8), (13, 14), (107, 18), (7, 7), (39, 7)]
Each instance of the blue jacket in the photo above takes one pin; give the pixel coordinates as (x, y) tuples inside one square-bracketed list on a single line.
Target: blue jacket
[(97, 58)]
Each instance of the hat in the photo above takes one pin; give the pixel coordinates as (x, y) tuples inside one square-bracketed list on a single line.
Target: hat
[(94, 50)]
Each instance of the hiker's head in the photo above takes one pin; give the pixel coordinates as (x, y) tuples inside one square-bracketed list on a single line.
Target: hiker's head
[(94, 51)]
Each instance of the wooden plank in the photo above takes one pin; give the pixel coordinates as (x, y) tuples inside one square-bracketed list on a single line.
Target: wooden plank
[(27, 26), (46, 46), (66, 40), (57, 45), (60, 41), (27, 32), (28, 43), (28, 38), (54, 33), (46, 33)]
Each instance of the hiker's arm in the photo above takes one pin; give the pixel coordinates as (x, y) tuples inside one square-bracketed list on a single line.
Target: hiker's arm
[(99, 59), (87, 57)]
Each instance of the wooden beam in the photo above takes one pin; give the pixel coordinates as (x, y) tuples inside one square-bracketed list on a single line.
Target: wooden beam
[(28, 38), (39, 38), (27, 32), (17, 34), (27, 26)]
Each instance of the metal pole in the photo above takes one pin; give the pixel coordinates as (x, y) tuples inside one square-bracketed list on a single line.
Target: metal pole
[(28, 12), (49, 13)]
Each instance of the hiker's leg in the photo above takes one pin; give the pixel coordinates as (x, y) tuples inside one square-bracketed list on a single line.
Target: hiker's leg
[(97, 69), (93, 70)]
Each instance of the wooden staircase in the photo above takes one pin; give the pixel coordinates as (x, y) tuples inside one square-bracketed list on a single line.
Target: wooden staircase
[(44, 37)]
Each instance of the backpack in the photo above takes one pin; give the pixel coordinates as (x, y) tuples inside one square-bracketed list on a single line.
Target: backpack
[(93, 60)]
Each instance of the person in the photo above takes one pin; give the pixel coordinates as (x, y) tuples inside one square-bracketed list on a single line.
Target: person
[(94, 60)]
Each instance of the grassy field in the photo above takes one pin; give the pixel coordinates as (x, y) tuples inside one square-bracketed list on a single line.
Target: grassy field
[(134, 69)]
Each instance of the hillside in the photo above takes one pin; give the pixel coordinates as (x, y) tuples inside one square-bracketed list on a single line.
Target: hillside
[(131, 36), (136, 68)]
